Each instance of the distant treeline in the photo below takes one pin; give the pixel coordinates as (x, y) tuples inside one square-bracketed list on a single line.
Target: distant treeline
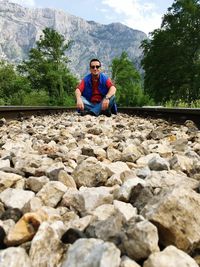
[(171, 63)]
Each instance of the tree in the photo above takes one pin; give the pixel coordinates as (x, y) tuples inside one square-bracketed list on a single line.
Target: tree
[(128, 82), (47, 66), (12, 85), (172, 55)]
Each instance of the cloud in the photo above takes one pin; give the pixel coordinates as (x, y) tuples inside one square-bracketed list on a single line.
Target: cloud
[(30, 3), (137, 15)]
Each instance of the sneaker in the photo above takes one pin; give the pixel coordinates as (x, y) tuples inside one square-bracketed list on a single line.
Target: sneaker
[(84, 112), (92, 113), (107, 113)]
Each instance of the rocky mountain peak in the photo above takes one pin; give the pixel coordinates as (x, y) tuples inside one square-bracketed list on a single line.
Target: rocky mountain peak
[(21, 27)]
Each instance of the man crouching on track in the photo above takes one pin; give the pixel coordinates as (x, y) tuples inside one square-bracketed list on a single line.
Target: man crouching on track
[(95, 94)]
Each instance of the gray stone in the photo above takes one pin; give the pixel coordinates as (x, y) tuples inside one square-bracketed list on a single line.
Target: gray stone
[(90, 173), (108, 229), (126, 188), (143, 172), (158, 164), (131, 153), (36, 183), (141, 239), (92, 253), (140, 196)]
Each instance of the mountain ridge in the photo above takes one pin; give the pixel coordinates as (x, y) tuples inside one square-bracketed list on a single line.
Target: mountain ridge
[(21, 27)]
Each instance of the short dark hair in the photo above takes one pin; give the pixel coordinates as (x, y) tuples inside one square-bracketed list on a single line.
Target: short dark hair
[(95, 59)]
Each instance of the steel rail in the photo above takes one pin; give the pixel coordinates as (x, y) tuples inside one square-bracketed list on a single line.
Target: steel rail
[(18, 112), (179, 115)]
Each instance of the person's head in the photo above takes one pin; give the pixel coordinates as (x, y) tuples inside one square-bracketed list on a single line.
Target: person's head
[(95, 65)]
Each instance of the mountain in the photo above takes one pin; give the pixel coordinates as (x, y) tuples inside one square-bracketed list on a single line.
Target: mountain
[(21, 27)]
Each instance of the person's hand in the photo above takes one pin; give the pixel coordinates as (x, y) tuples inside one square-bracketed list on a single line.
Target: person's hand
[(105, 104), (79, 104)]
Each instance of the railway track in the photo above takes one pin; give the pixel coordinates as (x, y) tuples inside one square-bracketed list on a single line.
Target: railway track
[(178, 115)]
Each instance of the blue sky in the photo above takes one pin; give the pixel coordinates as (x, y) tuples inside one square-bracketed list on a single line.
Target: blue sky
[(144, 15)]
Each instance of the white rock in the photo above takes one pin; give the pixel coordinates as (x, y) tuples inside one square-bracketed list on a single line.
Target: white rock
[(51, 193), (7, 225), (163, 179), (66, 179), (143, 160), (4, 163), (11, 180), (113, 154), (127, 262), (89, 198), (81, 223), (125, 189), (125, 209), (103, 212), (116, 167), (181, 162), (46, 247), (16, 198), (14, 257), (170, 256), (164, 150)]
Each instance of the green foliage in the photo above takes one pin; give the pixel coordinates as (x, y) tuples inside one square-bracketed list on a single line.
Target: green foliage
[(128, 82), (69, 101), (172, 55), (12, 85), (34, 98), (47, 69), (2, 102), (182, 104)]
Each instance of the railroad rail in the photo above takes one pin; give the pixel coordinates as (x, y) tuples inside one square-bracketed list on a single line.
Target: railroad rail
[(178, 115), (18, 112)]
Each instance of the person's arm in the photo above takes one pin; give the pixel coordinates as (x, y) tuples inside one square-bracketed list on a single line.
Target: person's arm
[(78, 93), (79, 102), (111, 92)]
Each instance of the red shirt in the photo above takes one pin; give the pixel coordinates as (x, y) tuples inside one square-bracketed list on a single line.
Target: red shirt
[(96, 96)]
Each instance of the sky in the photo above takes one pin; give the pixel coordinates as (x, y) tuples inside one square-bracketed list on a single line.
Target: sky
[(143, 15)]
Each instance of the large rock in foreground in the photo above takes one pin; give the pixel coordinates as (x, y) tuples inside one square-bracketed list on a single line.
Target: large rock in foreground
[(173, 212)]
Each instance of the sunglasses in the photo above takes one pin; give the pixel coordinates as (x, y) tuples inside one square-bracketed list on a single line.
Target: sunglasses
[(93, 67)]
